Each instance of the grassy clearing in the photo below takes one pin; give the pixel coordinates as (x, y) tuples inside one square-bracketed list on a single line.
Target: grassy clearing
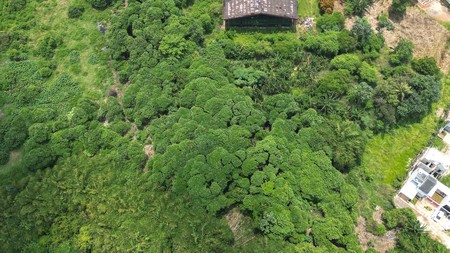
[(387, 156), (79, 35), (12, 168), (308, 8)]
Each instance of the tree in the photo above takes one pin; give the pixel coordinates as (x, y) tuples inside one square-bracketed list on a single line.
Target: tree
[(331, 22), (357, 7), (426, 66), (362, 31), (398, 8), (349, 62), (100, 4), (402, 54)]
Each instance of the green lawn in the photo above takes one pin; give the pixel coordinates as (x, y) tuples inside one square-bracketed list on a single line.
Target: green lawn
[(308, 8), (387, 155)]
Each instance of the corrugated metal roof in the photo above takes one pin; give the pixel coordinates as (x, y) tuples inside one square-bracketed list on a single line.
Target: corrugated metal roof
[(244, 8)]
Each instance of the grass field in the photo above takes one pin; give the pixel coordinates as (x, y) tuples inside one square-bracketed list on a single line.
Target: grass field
[(308, 8), (387, 156)]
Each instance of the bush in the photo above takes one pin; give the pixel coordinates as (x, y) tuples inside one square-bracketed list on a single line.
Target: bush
[(375, 228), (331, 22), (326, 44), (357, 7), (75, 11), (4, 156), (403, 53), (398, 218), (384, 22), (362, 31), (426, 66), (326, 6), (48, 45), (38, 158), (398, 7), (100, 4), (349, 62)]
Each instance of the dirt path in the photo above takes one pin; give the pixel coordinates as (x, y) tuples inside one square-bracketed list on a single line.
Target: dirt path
[(379, 243)]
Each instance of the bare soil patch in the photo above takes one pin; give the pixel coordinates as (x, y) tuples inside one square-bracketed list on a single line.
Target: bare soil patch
[(379, 243), (234, 220), (377, 214), (436, 10), (148, 149), (428, 36)]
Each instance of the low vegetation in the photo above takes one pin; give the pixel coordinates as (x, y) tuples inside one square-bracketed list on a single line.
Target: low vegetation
[(279, 128)]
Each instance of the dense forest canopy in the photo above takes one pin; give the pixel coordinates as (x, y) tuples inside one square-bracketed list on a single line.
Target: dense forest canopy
[(146, 138)]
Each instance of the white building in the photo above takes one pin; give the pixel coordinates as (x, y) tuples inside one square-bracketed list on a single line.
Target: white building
[(423, 185), (433, 162)]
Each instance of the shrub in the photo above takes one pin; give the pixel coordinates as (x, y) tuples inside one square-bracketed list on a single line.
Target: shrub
[(4, 40), (38, 158), (349, 62), (75, 11), (357, 7), (368, 73), (100, 4), (74, 57), (325, 44), (375, 228), (398, 218), (398, 7), (347, 43), (4, 156), (331, 22), (361, 30), (384, 22), (426, 66), (39, 132), (48, 45), (403, 53), (326, 6)]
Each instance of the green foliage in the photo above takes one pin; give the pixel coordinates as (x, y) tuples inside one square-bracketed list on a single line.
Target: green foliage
[(402, 54), (398, 8), (326, 44), (100, 4), (75, 11), (375, 228), (249, 77), (47, 46), (362, 31), (349, 62), (202, 122), (357, 7), (426, 66), (384, 22), (331, 22), (368, 73)]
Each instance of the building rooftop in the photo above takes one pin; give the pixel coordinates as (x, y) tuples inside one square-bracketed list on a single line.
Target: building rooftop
[(245, 8), (429, 184)]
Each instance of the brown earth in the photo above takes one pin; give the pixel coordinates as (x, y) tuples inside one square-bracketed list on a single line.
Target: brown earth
[(380, 243), (377, 214), (428, 36)]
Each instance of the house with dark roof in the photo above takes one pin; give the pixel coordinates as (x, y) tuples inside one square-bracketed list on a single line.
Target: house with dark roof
[(260, 13)]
